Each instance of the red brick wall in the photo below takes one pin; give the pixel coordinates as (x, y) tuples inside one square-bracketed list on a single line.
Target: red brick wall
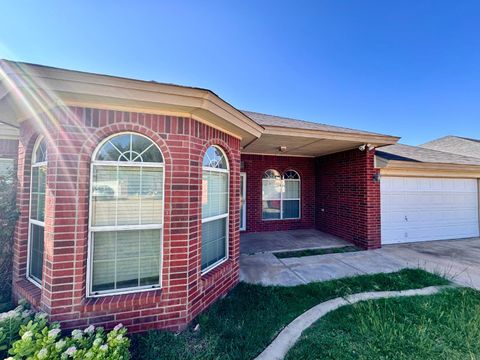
[(254, 166), (348, 200), (185, 292)]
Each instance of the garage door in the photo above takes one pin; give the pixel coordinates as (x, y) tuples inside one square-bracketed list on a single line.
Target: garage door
[(422, 209)]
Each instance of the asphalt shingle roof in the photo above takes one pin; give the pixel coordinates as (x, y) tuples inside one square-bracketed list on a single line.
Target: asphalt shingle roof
[(272, 120), (401, 152), (456, 145)]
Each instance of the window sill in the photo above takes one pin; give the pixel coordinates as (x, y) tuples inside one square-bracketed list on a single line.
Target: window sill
[(210, 278), (121, 301), (289, 219), (31, 292)]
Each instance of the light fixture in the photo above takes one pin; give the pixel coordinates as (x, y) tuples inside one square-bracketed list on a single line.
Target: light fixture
[(282, 148), (376, 177)]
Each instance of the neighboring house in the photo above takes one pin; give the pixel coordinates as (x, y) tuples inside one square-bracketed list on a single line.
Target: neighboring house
[(456, 145), (427, 194), (133, 193), (8, 148)]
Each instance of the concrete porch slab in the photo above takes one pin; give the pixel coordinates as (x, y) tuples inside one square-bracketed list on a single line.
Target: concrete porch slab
[(252, 243), (458, 260)]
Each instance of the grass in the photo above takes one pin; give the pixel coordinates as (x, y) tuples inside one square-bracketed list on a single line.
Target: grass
[(441, 326), (312, 252), (242, 324)]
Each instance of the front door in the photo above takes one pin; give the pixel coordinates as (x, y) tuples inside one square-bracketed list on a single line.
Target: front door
[(243, 199)]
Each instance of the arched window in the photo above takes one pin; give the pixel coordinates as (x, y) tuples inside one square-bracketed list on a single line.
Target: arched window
[(126, 215), (280, 195), (214, 208), (37, 211)]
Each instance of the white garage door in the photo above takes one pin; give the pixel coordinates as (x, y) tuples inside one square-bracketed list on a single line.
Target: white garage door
[(422, 209)]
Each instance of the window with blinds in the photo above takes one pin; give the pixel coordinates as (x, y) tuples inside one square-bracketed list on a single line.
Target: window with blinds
[(215, 195), (37, 212), (280, 195), (126, 219)]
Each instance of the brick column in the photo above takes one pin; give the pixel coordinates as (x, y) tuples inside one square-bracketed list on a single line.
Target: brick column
[(347, 197)]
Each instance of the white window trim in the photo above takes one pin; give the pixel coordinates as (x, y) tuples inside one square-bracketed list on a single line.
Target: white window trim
[(92, 229), (243, 213), (217, 217), (31, 221), (282, 199)]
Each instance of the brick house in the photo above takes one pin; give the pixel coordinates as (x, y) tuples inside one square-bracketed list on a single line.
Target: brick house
[(130, 192)]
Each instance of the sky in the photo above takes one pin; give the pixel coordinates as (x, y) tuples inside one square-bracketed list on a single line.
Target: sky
[(404, 68)]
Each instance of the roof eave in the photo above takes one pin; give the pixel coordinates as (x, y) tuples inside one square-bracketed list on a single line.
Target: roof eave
[(376, 140), (73, 88), (398, 164)]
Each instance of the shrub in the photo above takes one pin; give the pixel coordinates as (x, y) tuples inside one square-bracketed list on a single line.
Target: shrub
[(39, 340), (8, 217), (10, 323)]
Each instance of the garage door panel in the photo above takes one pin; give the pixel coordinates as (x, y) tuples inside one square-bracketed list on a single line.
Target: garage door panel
[(421, 209)]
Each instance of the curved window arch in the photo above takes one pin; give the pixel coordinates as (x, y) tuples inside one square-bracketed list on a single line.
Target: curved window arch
[(215, 202), (126, 215), (280, 195), (36, 228)]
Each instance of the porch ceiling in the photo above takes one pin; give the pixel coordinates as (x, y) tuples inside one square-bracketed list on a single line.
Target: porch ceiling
[(311, 144)]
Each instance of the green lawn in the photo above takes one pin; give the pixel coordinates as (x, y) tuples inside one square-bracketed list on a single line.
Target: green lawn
[(241, 325), (312, 252), (441, 326)]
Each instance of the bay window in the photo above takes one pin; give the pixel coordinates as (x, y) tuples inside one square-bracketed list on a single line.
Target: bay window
[(280, 195), (126, 215), (36, 224), (215, 193)]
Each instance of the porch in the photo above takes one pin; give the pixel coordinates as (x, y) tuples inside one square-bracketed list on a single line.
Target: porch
[(274, 241)]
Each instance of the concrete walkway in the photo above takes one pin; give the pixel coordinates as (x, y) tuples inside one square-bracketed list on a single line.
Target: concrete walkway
[(292, 332), (458, 260)]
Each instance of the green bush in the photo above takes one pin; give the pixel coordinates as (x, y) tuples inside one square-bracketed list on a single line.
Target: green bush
[(39, 340), (10, 323), (8, 217)]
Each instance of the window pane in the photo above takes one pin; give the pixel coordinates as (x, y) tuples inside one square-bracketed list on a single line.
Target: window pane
[(36, 252), (152, 196), (104, 192), (291, 209), (129, 147), (271, 209), (122, 143), (127, 195), (213, 242), (108, 153), (41, 152), (214, 193), (151, 155), (271, 189), (214, 158), (39, 174), (150, 255), (292, 189), (125, 259)]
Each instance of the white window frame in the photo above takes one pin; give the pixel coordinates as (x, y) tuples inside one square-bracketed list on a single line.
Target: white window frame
[(244, 196), (93, 229), (282, 192), (217, 217), (33, 221)]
